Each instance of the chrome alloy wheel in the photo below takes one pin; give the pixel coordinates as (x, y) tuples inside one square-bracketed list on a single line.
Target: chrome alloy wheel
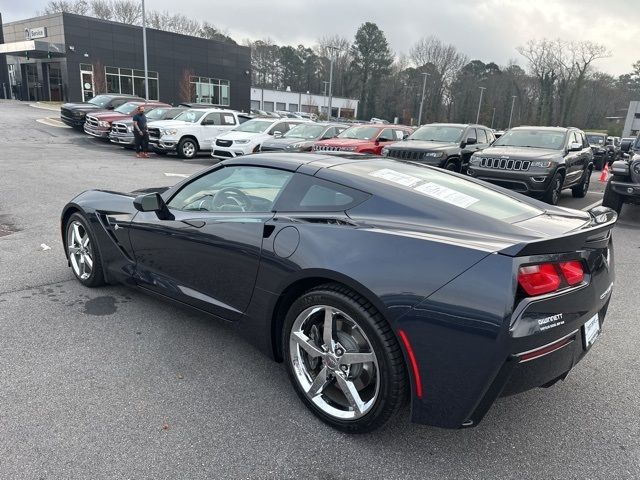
[(189, 149), (334, 363), (80, 250)]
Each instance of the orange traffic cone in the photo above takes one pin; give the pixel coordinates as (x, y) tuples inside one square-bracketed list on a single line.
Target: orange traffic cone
[(604, 176)]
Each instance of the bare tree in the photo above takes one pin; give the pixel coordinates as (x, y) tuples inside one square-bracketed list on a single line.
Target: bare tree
[(99, 79), (342, 58), (186, 89), (445, 61), (80, 7), (127, 11), (102, 9)]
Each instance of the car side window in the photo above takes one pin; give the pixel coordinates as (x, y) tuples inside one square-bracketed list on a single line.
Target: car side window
[(232, 189), (471, 133), (282, 127), (585, 142), (398, 134), (482, 136), (386, 135), (306, 193)]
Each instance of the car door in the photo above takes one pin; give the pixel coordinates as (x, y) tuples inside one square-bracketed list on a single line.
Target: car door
[(574, 160), (207, 254), (468, 150), (214, 124)]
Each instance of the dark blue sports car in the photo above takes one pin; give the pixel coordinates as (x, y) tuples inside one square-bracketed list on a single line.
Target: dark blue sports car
[(375, 281)]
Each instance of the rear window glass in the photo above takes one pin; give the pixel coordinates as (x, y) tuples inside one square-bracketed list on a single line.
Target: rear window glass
[(444, 187), (306, 193)]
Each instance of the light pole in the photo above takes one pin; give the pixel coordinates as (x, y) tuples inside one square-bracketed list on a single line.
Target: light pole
[(513, 102), (424, 88), (144, 47), (325, 95), (493, 117), (332, 48), (482, 89)]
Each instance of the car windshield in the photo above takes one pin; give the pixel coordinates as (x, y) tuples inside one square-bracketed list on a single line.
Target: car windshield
[(596, 139), (254, 126), (191, 116), (532, 138), (156, 113), (360, 133), (100, 100), (444, 187), (126, 108), (308, 132), (438, 133)]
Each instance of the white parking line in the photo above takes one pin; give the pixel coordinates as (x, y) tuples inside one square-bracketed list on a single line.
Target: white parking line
[(45, 107), (182, 175), (52, 122), (594, 204)]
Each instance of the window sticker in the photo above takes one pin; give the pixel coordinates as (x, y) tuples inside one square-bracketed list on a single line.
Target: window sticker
[(228, 119), (396, 177), (446, 194)]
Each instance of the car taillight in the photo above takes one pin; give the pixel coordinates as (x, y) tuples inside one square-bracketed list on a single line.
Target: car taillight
[(546, 277), (539, 279), (573, 272)]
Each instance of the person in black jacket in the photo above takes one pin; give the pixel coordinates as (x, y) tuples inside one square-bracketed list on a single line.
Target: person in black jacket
[(141, 133)]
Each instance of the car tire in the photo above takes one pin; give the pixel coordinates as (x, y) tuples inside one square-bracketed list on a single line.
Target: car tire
[(452, 165), (612, 199), (316, 372), (187, 148), (83, 252), (552, 195), (580, 191)]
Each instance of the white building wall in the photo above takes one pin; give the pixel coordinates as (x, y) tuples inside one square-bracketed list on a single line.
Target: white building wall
[(270, 100), (632, 123)]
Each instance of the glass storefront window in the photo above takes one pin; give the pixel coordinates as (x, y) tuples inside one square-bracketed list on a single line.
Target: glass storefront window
[(126, 85), (211, 90), (113, 84), (129, 81)]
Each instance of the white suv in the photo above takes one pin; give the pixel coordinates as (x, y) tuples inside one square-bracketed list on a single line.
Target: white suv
[(192, 131), (248, 137)]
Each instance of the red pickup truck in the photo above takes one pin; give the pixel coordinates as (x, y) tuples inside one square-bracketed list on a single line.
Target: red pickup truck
[(99, 124), (364, 139)]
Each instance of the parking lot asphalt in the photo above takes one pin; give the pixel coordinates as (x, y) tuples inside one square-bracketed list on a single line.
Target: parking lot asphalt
[(112, 383)]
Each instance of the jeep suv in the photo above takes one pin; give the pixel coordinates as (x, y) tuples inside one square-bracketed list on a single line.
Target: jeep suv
[(624, 185), (364, 139), (73, 114), (537, 161), (193, 131), (598, 142), (445, 145)]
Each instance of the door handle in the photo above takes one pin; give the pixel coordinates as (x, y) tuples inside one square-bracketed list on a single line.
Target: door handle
[(195, 223)]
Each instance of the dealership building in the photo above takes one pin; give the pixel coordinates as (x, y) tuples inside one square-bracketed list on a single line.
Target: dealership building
[(632, 122), (71, 58), (274, 100)]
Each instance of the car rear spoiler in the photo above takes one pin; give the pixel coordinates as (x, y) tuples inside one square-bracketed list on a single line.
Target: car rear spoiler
[(595, 234)]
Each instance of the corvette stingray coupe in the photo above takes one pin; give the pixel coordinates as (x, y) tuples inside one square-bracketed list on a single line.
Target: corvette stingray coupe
[(375, 281)]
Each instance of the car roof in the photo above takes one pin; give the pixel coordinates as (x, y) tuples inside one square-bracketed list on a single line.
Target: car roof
[(464, 125), (549, 129)]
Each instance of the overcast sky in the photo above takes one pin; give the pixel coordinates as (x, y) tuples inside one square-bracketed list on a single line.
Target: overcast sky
[(488, 30)]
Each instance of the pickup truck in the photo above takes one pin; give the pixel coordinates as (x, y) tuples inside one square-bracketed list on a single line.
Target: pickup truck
[(73, 114), (99, 124), (122, 130), (193, 131)]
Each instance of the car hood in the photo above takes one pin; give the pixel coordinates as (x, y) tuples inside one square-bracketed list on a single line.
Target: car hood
[(343, 142), (421, 145), (85, 107), (520, 153), (109, 115), (242, 135), (170, 123)]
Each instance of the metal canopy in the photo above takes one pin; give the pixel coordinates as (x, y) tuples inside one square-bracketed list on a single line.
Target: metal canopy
[(33, 48)]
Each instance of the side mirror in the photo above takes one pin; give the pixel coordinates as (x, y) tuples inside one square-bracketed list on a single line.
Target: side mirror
[(152, 202), (277, 134), (575, 147), (468, 141), (384, 139)]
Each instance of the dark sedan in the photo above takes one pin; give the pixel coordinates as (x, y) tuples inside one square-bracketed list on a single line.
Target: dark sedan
[(302, 137), (371, 279)]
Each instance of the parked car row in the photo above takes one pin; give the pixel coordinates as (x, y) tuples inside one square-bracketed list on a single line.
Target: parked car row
[(536, 161)]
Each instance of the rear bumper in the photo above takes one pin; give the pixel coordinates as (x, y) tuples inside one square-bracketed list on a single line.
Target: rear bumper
[(471, 350)]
